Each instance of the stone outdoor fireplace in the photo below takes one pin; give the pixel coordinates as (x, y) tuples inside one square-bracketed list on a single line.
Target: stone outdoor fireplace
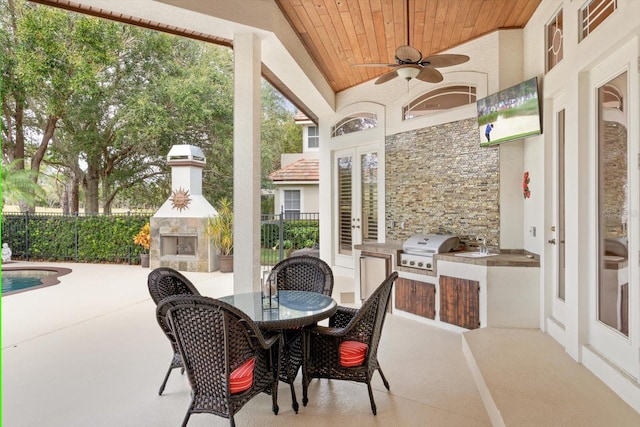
[(178, 229)]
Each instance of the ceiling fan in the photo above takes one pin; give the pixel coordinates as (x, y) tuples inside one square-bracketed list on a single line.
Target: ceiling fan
[(410, 64)]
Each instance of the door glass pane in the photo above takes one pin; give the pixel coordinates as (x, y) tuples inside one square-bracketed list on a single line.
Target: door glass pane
[(613, 202), (345, 187), (561, 213), (369, 176)]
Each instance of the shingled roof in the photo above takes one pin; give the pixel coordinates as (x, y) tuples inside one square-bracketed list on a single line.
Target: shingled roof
[(302, 170)]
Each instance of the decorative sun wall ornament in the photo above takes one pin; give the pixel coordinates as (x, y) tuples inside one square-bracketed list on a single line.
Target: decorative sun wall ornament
[(525, 185), (180, 199)]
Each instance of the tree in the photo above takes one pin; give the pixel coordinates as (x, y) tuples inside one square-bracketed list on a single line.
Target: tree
[(115, 129), (51, 56), (13, 91), (199, 102), (279, 134), (98, 105), (18, 186)]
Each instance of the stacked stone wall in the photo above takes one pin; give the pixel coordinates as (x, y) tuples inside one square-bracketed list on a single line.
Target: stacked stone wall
[(439, 180)]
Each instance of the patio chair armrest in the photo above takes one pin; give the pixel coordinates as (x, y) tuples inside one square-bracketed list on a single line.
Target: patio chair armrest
[(327, 331), (269, 339), (261, 338), (342, 317)]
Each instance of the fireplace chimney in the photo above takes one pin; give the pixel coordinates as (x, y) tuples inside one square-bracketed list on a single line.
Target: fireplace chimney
[(178, 228)]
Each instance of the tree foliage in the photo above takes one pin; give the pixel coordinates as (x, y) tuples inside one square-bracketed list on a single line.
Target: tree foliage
[(279, 132), (17, 184), (98, 104)]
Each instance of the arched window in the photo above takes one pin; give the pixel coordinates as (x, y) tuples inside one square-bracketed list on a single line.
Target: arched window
[(439, 99), (354, 123)]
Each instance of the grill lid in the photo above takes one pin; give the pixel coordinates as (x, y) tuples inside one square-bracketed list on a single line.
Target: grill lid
[(428, 244)]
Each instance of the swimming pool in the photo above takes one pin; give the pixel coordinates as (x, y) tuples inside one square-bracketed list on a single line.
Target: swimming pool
[(19, 279)]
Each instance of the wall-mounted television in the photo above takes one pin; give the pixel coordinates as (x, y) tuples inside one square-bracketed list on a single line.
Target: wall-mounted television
[(510, 114)]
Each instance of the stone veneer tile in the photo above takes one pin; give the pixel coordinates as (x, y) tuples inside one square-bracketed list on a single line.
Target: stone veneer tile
[(181, 226), (439, 180)]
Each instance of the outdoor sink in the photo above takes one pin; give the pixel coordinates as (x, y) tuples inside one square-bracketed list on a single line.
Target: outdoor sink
[(474, 254)]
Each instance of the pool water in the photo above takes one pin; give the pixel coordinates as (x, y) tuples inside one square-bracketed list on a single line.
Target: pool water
[(23, 279)]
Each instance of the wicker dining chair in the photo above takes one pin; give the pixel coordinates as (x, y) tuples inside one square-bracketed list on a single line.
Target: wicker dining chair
[(164, 282), (227, 358), (299, 273), (348, 348)]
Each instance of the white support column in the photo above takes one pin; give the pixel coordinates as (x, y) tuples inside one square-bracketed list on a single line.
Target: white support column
[(246, 163)]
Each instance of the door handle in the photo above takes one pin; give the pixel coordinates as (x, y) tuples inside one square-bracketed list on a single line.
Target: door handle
[(552, 241)]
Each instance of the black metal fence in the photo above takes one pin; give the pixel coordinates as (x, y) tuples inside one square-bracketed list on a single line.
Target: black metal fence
[(282, 234), (109, 238), (76, 238)]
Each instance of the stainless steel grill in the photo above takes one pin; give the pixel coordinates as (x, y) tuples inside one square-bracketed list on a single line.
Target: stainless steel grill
[(418, 250)]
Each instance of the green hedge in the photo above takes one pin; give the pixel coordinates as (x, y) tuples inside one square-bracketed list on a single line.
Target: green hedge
[(302, 233), (109, 238), (297, 234), (82, 238)]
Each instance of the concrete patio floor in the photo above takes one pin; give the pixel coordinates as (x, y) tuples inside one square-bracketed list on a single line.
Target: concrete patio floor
[(88, 352)]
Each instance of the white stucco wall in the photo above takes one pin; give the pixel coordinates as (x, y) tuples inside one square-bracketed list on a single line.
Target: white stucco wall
[(571, 85), (309, 194)]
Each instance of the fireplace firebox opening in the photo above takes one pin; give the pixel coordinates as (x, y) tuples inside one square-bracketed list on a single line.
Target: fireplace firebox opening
[(179, 245)]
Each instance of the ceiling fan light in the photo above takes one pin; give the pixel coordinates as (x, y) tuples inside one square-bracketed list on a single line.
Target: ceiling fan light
[(408, 72)]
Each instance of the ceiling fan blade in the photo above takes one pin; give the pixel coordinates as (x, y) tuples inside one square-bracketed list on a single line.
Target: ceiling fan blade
[(386, 77), (430, 75), (444, 60), (374, 65), (408, 54)]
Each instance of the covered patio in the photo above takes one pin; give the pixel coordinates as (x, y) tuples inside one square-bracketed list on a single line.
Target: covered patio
[(89, 352)]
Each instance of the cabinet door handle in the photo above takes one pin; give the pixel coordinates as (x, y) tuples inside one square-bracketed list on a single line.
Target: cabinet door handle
[(552, 241)]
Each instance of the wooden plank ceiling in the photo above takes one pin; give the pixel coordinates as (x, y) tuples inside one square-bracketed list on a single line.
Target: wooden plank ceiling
[(341, 33)]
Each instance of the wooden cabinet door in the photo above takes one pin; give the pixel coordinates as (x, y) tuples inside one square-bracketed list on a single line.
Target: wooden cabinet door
[(403, 294), (416, 297), (460, 302), (425, 300)]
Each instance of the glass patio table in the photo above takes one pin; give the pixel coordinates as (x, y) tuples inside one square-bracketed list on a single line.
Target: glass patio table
[(295, 309)]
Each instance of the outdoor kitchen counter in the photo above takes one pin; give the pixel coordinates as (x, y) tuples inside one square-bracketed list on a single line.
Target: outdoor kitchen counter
[(504, 259), (518, 259), (466, 292), (390, 248)]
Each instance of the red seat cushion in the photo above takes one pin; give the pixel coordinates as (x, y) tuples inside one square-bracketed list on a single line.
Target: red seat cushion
[(242, 377), (352, 353)]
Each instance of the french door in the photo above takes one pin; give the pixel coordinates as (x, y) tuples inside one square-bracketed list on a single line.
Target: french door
[(558, 229), (613, 297), (356, 201)]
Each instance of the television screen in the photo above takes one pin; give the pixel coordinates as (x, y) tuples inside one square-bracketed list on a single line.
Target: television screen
[(512, 113)]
